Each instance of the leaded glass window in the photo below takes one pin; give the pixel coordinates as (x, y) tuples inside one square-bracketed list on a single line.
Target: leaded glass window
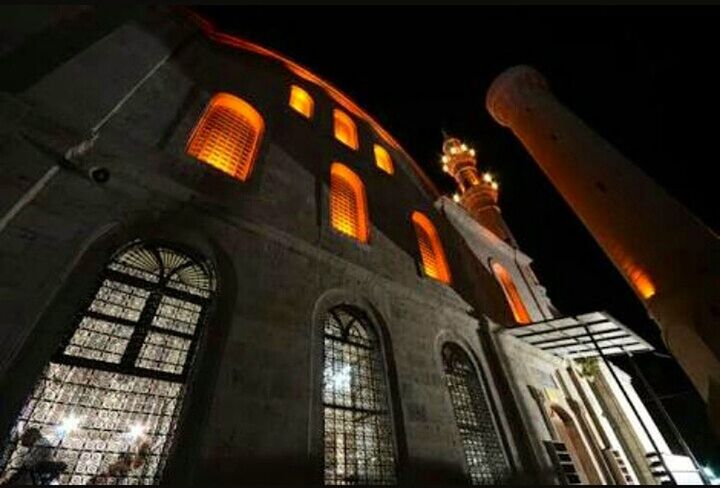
[(481, 444), (358, 433), (105, 408)]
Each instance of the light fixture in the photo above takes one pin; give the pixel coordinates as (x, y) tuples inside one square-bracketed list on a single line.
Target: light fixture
[(340, 380), (456, 198), (445, 159), (487, 177), (69, 424), (494, 185), (472, 152), (136, 431)]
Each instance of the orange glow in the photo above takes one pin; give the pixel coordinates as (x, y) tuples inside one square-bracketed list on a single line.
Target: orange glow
[(213, 34), (431, 251), (301, 101), (383, 160), (511, 294), (345, 130), (227, 136), (641, 281), (348, 205)]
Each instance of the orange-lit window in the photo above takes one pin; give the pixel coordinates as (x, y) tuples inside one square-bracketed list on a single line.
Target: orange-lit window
[(431, 251), (345, 130), (348, 205), (511, 294), (228, 136), (383, 160), (301, 101)]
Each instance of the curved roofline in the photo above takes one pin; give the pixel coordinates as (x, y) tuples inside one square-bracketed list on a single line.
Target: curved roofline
[(212, 33)]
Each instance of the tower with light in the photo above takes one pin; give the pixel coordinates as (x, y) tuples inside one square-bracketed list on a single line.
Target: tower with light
[(477, 193)]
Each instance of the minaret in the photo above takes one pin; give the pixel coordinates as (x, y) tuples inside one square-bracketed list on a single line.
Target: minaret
[(668, 256), (477, 194)]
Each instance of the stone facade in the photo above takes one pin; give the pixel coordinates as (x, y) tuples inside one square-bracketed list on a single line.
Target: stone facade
[(92, 144)]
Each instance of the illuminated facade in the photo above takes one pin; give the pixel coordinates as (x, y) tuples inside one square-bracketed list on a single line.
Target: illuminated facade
[(219, 269)]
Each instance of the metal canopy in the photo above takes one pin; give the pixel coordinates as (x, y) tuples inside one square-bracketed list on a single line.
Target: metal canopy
[(581, 336)]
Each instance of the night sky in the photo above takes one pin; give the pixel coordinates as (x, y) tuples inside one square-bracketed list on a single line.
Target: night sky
[(643, 79)]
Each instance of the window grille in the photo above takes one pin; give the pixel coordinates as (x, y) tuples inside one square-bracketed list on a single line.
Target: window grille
[(227, 136), (348, 206), (105, 408), (483, 451), (431, 251), (358, 434)]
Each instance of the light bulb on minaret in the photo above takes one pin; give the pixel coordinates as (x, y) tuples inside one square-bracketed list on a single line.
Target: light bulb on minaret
[(478, 194)]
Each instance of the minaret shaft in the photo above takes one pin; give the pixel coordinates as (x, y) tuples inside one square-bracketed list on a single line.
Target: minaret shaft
[(670, 258)]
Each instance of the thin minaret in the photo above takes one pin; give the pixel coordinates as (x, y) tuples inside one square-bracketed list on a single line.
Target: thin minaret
[(478, 194)]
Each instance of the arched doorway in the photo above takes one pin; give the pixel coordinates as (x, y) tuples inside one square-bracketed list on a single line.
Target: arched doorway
[(569, 434)]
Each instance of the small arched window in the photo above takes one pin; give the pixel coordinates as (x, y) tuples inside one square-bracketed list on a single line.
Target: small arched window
[(359, 443), (481, 444), (511, 294), (431, 250), (301, 101), (345, 130), (227, 136), (348, 204), (383, 159), (117, 384)]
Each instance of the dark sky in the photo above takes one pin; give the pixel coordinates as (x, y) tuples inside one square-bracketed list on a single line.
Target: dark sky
[(643, 78)]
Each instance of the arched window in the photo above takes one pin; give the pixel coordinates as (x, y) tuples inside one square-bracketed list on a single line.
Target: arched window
[(481, 444), (105, 408), (301, 101), (383, 159), (511, 294), (358, 433), (348, 205), (431, 251), (227, 136), (345, 130)]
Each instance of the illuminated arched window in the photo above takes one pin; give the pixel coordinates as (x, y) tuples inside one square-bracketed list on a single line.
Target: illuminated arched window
[(301, 101), (345, 130), (481, 444), (511, 294), (383, 160), (227, 136), (348, 205), (105, 408), (431, 251), (359, 444)]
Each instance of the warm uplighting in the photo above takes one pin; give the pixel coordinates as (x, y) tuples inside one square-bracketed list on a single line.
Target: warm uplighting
[(641, 281), (511, 294), (348, 205), (301, 101), (383, 160), (345, 130), (431, 251), (227, 136)]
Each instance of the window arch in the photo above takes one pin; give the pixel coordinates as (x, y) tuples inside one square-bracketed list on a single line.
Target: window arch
[(107, 403), (227, 136), (359, 443), (511, 294), (348, 204), (345, 129), (431, 250), (481, 444), (301, 101), (383, 159)]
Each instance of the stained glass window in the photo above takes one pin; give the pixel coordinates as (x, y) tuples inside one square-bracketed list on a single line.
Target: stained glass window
[(358, 434), (105, 408), (481, 444)]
